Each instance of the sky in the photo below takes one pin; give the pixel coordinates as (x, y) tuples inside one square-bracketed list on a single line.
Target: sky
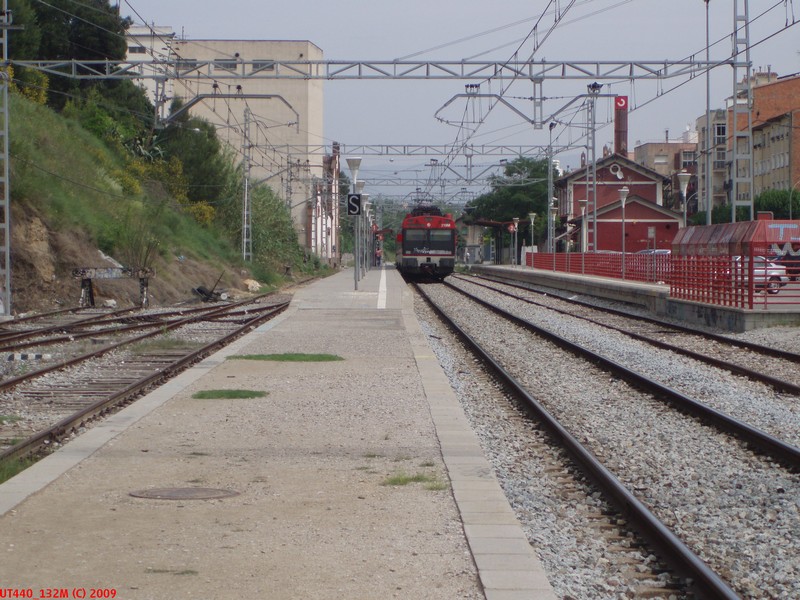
[(404, 112)]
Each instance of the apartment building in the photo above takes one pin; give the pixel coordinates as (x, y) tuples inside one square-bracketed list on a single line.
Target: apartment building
[(776, 143)]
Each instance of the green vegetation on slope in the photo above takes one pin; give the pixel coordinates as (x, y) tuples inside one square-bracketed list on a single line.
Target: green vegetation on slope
[(88, 185)]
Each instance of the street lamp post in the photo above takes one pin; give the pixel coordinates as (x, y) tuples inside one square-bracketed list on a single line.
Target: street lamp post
[(594, 92), (353, 163), (623, 196), (365, 233), (554, 212), (583, 202), (516, 229), (532, 217), (709, 204), (683, 182)]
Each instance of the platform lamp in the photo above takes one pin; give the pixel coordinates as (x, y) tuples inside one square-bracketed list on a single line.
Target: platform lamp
[(359, 225), (353, 163), (584, 233), (532, 217), (552, 214), (366, 218), (623, 197), (515, 262), (683, 182)]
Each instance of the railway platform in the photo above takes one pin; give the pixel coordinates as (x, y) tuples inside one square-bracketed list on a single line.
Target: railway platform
[(771, 311), (356, 478)]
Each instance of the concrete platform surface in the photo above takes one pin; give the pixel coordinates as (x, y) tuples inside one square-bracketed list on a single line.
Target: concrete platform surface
[(351, 479)]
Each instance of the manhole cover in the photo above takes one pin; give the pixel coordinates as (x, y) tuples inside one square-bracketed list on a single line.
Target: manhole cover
[(193, 493)]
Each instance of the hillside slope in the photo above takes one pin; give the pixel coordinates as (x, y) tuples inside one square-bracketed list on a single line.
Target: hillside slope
[(69, 198)]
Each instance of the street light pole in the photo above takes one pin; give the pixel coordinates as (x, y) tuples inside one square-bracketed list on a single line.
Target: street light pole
[(532, 217), (550, 184), (623, 196), (683, 182), (554, 210), (365, 233), (516, 229), (594, 92), (583, 202), (708, 158), (353, 163)]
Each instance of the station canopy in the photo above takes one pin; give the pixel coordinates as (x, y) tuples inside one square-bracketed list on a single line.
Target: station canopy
[(746, 238)]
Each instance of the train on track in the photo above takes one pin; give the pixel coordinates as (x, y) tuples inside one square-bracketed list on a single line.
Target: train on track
[(426, 244)]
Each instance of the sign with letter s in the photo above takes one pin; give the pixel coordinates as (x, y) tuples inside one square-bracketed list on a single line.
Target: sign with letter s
[(354, 204)]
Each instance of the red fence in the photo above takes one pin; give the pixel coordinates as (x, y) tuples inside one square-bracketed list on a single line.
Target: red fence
[(651, 268), (752, 281)]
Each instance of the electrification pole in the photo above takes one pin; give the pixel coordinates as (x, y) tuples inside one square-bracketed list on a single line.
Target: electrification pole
[(5, 193)]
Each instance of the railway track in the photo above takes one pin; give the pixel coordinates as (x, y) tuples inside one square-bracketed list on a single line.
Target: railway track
[(772, 367), (129, 354), (776, 367), (641, 442)]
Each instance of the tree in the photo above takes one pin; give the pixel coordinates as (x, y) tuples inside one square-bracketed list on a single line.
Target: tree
[(65, 30), (195, 143), (521, 190)]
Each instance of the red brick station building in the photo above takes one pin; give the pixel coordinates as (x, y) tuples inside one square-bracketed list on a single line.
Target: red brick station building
[(647, 223)]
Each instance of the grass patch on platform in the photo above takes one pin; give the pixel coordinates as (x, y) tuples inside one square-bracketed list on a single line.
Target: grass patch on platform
[(228, 394), (288, 357), (9, 468), (431, 481), (5, 419)]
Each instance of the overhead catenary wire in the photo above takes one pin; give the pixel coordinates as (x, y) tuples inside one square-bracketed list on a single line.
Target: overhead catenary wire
[(471, 134)]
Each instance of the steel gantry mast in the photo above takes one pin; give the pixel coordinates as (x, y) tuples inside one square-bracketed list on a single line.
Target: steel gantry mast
[(534, 71), (247, 233), (5, 194), (741, 158)]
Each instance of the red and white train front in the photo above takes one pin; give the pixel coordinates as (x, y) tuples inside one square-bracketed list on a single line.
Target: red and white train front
[(426, 244)]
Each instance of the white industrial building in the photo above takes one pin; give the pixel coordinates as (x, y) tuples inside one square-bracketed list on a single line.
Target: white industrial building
[(274, 125)]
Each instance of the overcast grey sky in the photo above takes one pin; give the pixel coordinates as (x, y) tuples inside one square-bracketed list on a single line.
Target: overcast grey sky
[(402, 112)]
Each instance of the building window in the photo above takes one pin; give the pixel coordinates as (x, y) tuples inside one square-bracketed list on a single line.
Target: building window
[(136, 49), (720, 134), (186, 64), (720, 157), (688, 159), (263, 65), (660, 159), (225, 65)]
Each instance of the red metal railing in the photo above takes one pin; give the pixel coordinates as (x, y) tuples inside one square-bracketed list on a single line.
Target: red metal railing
[(651, 268), (744, 282)]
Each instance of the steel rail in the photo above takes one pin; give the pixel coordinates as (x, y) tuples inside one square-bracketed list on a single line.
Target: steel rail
[(674, 550), (125, 315), (9, 383), (767, 444), (774, 382), (34, 443), (44, 315), (86, 322), (766, 350), (147, 321)]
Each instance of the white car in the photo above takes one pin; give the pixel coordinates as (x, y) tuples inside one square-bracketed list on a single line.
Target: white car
[(766, 275)]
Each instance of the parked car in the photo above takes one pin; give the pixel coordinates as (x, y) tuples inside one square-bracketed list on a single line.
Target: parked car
[(767, 275), (657, 251), (790, 262)]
